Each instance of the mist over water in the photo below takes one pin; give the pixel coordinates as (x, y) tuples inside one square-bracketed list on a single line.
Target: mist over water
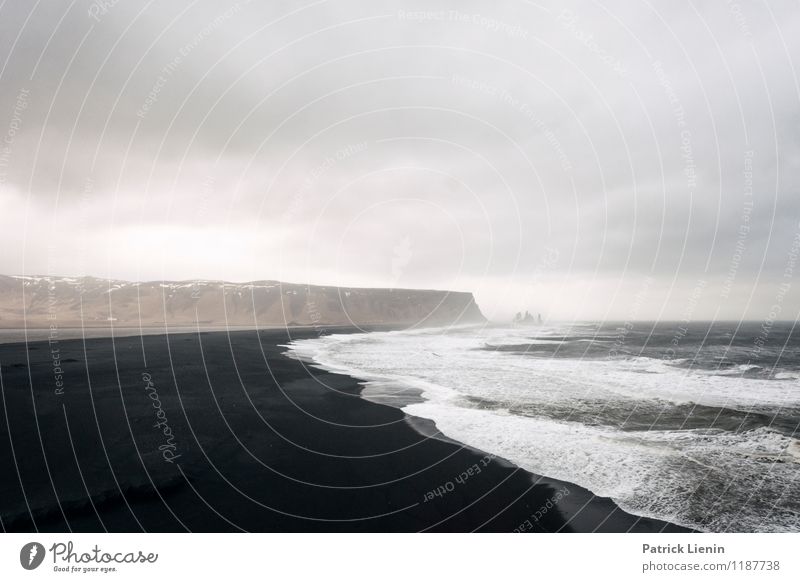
[(692, 423)]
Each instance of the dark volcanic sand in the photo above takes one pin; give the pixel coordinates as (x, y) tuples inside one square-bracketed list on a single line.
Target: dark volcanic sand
[(265, 444)]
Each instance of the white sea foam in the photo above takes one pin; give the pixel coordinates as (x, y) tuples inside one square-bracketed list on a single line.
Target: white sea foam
[(787, 376), (662, 474), (521, 408), (460, 362)]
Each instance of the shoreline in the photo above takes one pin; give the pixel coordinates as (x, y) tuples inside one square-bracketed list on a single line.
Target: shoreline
[(262, 442)]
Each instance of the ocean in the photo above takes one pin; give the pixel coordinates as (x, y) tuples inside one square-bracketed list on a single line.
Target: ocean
[(696, 424)]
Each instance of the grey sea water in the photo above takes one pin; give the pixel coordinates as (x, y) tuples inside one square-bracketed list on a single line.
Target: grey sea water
[(692, 423)]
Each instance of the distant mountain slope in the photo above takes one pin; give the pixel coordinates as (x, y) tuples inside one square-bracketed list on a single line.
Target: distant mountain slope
[(68, 302)]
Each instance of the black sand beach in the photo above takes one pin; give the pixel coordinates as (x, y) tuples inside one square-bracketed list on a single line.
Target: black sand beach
[(221, 432)]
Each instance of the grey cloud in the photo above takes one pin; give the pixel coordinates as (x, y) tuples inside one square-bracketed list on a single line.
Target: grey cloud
[(615, 133)]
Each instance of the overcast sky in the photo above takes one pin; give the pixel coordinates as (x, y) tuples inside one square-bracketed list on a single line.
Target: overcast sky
[(621, 160)]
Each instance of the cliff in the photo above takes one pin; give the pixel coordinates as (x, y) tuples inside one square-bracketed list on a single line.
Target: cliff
[(70, 302)]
